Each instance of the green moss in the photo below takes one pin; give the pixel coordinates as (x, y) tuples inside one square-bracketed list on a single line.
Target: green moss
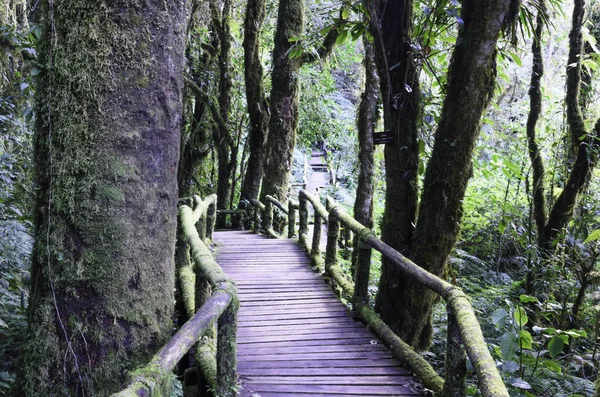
[(103, 274), (112, 193)]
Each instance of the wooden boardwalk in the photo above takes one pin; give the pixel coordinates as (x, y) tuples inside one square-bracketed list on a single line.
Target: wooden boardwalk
[(295, 338)]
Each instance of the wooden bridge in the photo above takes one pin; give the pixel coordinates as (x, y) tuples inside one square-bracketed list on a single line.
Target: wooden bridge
[(295, 337), (279, 330)]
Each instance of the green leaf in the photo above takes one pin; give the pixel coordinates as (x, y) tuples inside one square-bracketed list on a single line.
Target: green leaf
[(508, 345), (519, 383), (345, 13), (593, 236), (510, 366), (521, 317), (555, 346), (515, 58), (527, 298), (499, 317), (343, 35), (525, 339), (573, 333), (553, 366)]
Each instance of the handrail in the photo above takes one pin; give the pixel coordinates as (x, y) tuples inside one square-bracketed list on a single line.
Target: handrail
[(221, 308), (463, 327)]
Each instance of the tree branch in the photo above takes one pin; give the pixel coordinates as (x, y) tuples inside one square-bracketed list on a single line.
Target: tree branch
[(204, 97)]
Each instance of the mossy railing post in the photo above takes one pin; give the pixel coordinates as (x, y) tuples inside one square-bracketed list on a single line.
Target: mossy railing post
[(456, 361), (211, 217), (267, 220), (316, 240), (333, 234), (256, 217), (292, 208), (201, 224), (362, 273), (226, 351), (303, 226)]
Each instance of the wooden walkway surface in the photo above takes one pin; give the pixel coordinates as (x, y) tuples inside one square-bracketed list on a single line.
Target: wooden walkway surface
[(295, 338)]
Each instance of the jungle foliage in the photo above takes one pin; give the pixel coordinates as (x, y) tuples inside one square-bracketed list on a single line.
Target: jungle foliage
[(534, 285)]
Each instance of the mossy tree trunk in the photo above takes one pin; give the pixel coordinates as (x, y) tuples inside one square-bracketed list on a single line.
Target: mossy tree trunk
[(535, 103), (195, 136), (586, 145), (284, 102), (471, 78), (398, 72), (258, 108), (284, 97), (225, 143), (367, 119), (107, 146)]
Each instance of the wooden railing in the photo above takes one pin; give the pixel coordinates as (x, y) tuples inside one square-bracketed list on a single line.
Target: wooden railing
[(463, 327), (197, 270)]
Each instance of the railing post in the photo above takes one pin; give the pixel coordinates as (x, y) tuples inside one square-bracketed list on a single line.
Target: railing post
[(226, 351), (238, 222), (333, 234), (291, 219), (267, 221), (303, 226), (256, 219), (211, 218), (316, 240), (363, 269), (201, 226), (456, 361)]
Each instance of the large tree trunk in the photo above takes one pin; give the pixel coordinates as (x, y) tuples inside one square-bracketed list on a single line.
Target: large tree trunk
[(535, 103), (367, 119), (470, 86), (222, 135), (585, 143), (107, 145), (258, 108), (284, 101), (391, 22)]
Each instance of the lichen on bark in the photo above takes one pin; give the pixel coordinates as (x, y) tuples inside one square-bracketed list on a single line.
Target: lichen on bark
[(106, 150)]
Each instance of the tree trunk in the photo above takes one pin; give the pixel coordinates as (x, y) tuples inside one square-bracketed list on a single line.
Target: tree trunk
[(258, 108), (222, 135), (535, 101), (585, 143), (284, 97), (284, 102), (390, 24), (107, 146), (471, 80), (367, 119)]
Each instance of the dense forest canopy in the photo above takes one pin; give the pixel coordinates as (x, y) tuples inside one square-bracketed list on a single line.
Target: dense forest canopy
[(110, 111)]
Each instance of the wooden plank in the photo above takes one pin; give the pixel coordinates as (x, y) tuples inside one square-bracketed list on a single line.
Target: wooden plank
[(374, 355), (302, 337), (276, 394), (312, 342), (355, 390), (289, 303), (304, 349), (352, 363), (342, 371), (386, 380), (256, 311), (311, 320)]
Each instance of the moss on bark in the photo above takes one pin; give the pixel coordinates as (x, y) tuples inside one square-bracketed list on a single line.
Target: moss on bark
[(404, 306), (107, 145)]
